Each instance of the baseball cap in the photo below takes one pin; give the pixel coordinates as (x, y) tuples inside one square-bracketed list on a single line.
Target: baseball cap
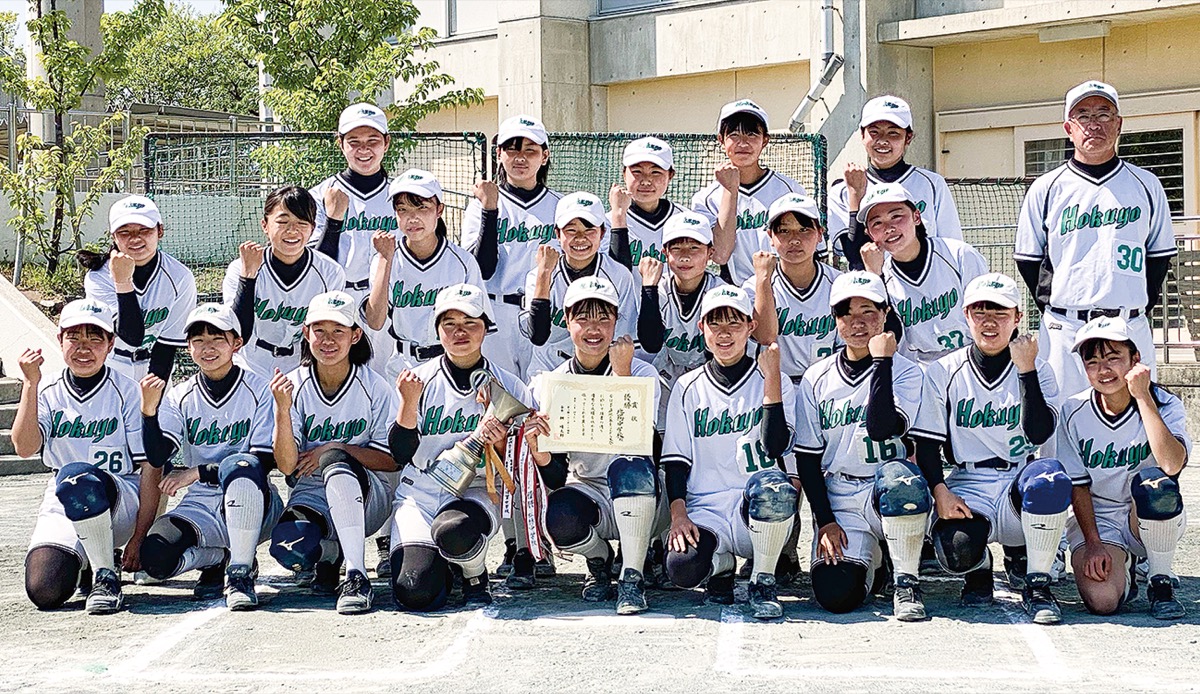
[(338, 307), (418, 182), (726, 295), (86, 312), (857, 283), (688, 225), (134, 209), (649, 149), (995, 287), (591, 288), (888, 108), (219, 316), (742, 106), (579, 205), (1103, 328), (522, 126), (462, 297), (358, 115), (793, 202), (1090, 88), (881, 193)]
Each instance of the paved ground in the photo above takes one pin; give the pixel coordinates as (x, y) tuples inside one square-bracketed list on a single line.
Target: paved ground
[(549, 639)]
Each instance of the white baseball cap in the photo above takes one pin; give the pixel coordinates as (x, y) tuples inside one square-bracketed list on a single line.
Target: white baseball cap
[(688, 225), (219, 316), (857, 283), (742, 106), (591, 288), (995, 287), (796, 203), (134, 209), (581, 205), (1090, 88), (358, 115), (888, 108), (726, 295), (418, 182), (522, 126), (462, 297), (87, 312), (1103, 328), (880, 193), (649, 149), (338, 307)]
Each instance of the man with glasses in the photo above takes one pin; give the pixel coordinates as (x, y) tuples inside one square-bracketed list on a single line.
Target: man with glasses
[(1094, 237)]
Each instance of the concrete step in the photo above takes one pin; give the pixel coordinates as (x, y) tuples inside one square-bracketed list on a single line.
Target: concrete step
[(10, 391), (8, 413), (6, 443), (16, 465)]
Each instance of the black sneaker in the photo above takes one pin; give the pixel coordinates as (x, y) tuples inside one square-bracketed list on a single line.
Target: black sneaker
[(1015, 567), (325, 577), (631, 593), (211, 584), (719, 589), (907, 602), (764, 599), (475, 591), (354, 593), (747, 570), (1039, 603), (544, 568), (522, 576), (656, 568), (85, 585), (240, 595), (598, 583), (383, 548), (787, 570), (105, 596), (1161, 594), (978, 586), (506, 564)]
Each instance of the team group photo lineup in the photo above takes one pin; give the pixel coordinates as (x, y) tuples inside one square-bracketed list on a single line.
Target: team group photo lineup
[(670, 391)]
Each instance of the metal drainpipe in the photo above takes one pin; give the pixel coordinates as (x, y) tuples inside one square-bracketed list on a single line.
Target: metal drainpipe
[(832, 62)]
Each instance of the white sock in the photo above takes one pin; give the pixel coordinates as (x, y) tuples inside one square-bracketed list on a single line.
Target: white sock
[(475, 566), (200, 558), (592, 547), (1042, 536), (346, 511), (243, 520), (905, 535), (767, 538), (723, 562), (1160, 538), (96, 536), (634, 516)]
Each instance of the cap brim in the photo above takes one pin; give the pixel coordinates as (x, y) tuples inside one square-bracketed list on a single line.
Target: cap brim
[(803, 213), (335, 316), (219, 325), (360, 123), (722, 303), (466, 309), (592, 295), (414, 190), (647, 159), (1094, 92), (993, 297), (133, 218), (689, 234), (834, 300), (85, 320), (887, 117), (1101, 335), (526, 133)]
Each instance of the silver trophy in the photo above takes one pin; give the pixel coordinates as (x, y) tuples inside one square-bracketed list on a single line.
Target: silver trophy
[(455, 468)]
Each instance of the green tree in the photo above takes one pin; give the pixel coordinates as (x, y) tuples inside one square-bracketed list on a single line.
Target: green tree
[(189, 60), (51, 168), (321, 54)]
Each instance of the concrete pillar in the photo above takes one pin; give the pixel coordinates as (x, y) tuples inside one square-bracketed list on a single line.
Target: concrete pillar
[(544, 66), (85, 30)]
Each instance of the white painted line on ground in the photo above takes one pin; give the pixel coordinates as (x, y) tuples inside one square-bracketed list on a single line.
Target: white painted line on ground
[(600, 618), (167, 640)]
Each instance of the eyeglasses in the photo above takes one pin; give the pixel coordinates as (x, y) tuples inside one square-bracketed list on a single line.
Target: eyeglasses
[(1103, 118)]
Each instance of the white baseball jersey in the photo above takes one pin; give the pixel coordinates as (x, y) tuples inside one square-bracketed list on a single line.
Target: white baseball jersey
[(279, 309), (207, 431), (717, 431), (415, 284), (359, 414), (102, 427), (593, 467), (558, 346), (831, 417), (807, 329), (752, 205), (447, 415), (929, 192), (521, 228), (931, 305), (981, 419), (1097, 234), (1106, 453), (167, 299), (366, 215), (645, 238), (683, 346)]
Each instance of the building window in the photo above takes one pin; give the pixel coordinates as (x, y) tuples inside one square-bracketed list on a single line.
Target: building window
[(1158, 151), (608, 6), (470, 17)]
